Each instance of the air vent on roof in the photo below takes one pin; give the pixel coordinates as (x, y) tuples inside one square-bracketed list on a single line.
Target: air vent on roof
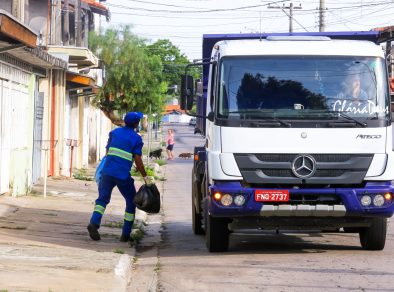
[(298, 38)]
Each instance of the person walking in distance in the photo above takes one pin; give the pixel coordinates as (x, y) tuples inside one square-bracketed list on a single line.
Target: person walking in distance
[(170, 143), (124, 146)]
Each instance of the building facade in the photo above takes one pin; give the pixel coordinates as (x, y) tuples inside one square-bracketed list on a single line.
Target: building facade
[(48, 77)]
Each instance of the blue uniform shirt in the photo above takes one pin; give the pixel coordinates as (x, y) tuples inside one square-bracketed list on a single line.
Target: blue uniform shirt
[(123, 143)]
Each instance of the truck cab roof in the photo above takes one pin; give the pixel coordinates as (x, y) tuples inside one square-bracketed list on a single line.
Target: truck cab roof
[(303, 46), (209, 40)]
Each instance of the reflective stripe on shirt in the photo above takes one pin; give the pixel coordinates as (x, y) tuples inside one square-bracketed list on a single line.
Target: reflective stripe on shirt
[(120, 153)]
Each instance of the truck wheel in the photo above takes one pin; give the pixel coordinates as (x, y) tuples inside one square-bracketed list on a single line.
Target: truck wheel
[(374, 236), (217, 234), (197, 220), (196, 217)]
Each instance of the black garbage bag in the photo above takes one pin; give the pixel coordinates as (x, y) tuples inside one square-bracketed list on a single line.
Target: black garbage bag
[(148, 199)]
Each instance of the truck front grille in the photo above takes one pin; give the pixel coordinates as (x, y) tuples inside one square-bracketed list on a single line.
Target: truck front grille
[(277, 168), (290, 157), (288, 172)]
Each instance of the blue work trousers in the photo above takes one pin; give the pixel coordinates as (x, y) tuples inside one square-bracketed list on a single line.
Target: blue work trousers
[(127, 189)]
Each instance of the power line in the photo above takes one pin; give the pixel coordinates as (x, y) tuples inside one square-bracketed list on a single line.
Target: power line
[(173, 36), (185, 17), (305, 12), (195, 11), (193, 26), (369, 4), (161, 4), (354, 16), (345, 19)]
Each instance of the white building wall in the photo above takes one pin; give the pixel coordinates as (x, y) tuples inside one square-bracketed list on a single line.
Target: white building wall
[(5, 135), (16, 126)]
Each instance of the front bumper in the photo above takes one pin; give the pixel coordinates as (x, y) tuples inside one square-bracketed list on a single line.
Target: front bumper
[(347, 202)]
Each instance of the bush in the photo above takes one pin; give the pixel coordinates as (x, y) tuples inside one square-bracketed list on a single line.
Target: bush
[(160, 162), (149, 171), (81, 174)]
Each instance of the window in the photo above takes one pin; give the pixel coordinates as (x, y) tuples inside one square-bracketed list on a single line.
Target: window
[(302, 87)]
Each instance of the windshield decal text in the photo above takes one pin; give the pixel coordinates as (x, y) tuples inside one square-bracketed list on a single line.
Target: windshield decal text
[(368, 107)]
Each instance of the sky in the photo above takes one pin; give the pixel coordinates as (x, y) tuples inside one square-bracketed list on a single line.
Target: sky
[(184, 22)]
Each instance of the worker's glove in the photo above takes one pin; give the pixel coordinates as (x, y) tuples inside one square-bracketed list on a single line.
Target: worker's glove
[(149, 180)]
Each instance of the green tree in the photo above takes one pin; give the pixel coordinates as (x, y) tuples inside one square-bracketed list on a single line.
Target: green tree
[(133, 78), (173, 60)]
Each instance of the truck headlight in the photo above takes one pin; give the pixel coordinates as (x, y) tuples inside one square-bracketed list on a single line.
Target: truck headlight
[(366, 200), (378, 200), (226, 200), (239, 200)]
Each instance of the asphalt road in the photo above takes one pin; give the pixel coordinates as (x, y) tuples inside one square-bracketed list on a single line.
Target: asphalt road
[(258, 262)]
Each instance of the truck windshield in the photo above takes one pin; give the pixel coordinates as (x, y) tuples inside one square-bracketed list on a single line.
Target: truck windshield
[(302, 87)]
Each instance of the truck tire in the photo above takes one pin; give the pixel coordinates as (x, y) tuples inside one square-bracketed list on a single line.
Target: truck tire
[(217, 234), (196, 216), (196, 220), (374, 236)]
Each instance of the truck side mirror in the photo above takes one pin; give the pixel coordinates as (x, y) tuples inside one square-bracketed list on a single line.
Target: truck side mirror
[(187, 92), (211, 116)]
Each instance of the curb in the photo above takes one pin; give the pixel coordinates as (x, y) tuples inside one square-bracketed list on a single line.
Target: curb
[(122, 273), (123, 270)]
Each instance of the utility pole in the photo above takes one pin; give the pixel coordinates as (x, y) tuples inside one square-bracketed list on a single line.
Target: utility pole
[(290, 14), (321, 16)]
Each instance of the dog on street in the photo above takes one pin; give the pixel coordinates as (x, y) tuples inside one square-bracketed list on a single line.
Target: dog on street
[(185, 155), (155, 154)]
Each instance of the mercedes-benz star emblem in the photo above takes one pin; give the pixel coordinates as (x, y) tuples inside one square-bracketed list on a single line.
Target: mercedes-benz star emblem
[(303, 166)]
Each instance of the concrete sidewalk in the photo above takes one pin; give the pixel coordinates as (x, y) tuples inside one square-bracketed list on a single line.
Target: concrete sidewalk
[(44, 244)]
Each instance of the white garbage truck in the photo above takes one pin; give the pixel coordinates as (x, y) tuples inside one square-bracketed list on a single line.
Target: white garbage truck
[(298, 136)]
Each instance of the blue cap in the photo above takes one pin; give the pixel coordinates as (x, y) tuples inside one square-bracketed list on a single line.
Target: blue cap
[(132, 118)]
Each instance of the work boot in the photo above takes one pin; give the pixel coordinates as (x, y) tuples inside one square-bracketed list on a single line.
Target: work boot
[(125, 238), (93, 232)]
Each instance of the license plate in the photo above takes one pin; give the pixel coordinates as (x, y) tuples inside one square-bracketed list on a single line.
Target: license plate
[(271, 196)]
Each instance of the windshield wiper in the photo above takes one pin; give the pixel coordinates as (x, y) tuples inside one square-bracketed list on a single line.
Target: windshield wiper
[(271, 121), (341, 114), (279, 121), (266, 120)]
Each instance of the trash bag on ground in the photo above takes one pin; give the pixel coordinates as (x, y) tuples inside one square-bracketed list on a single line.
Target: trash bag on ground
[(99, 170), (148, 199)]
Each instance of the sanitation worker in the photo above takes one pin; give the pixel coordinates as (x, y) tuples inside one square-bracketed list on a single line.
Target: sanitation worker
[(124, 146)]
